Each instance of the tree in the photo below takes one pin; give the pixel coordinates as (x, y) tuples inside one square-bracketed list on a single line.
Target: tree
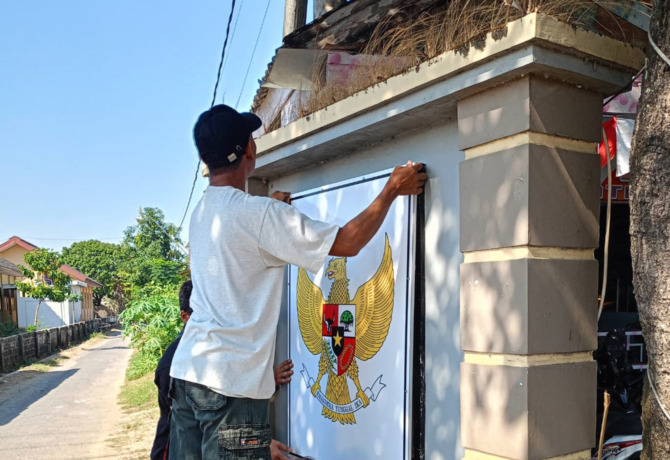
[(153, 237), (347, 318), (45, 280), (650, 232), (96, 260), (152, 256)]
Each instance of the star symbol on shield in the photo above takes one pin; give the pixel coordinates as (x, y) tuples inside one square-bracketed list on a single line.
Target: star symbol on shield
[(338, 339)]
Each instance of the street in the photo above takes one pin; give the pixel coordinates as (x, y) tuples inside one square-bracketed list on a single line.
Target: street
[(69, 412)]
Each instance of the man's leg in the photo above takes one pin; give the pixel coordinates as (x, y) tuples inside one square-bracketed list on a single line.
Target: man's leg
[(185, 432)]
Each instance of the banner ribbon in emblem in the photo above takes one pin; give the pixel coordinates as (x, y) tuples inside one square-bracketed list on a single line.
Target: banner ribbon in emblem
[(353, 406)]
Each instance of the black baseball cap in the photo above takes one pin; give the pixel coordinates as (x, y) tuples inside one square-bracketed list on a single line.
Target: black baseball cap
[(222, 133)]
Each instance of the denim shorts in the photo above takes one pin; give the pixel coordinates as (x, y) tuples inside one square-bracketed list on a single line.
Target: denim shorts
[(208, 425)]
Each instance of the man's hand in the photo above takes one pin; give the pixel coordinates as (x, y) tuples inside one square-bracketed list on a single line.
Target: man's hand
[(283, 372), (276, 449), (407, 179), (404, 180), (284, 197)]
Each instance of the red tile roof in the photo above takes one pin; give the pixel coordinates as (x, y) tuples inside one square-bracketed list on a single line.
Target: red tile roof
[(14, 241), (75, 274)]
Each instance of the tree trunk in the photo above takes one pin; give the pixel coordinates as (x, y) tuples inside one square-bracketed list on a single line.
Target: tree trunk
[(37, 310), (650, 232)]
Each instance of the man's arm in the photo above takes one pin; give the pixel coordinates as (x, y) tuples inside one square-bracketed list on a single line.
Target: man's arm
[(350, 239)]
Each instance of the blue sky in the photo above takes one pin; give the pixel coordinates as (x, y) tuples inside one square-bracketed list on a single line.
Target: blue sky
[(98, 100)]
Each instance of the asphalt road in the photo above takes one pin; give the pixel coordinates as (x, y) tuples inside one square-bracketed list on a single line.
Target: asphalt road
[(69, 412)]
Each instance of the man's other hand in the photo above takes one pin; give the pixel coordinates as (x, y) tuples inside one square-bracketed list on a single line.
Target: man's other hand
[(284, 197), (407, 179), (276, 449), (283, 372)]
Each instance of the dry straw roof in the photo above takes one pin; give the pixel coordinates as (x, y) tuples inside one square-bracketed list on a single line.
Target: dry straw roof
[(411, 32)]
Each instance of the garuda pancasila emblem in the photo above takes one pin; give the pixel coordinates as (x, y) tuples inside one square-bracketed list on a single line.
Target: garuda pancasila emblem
[(343, 330)]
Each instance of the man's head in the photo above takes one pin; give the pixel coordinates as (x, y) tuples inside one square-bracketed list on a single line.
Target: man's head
[(185, 300), (223, 137)]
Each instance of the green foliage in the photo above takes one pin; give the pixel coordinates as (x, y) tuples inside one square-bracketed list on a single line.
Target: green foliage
[(346, 317), (140, 366), (152, 323), (152, 237), (8, 328), (139, 389), (151, 259), (96, 260)]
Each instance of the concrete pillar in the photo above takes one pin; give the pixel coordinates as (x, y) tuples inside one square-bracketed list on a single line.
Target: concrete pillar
[(257, 187), (529, 224), (295, 15)]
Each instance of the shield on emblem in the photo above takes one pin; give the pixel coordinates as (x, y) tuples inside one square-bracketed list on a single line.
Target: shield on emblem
[(339, 330)]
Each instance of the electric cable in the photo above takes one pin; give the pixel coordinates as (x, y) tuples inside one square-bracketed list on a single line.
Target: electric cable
[(625, 88), (660, 53), (658, 399), (260, 30), (607, 224), (232, 36), (216, 87)]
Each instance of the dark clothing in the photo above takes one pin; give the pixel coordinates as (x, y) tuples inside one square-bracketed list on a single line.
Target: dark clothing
[(162, 381), (207, 425)]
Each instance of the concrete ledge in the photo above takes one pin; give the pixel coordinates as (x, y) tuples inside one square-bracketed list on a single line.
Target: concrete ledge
[(494, 359), (528, 413), (531, 137), (475, 455), (529, 195), (526, 252), (529, 306)]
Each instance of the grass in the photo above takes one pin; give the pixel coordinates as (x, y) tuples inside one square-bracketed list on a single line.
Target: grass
[(138, 400), (44, 365), (138, 393)]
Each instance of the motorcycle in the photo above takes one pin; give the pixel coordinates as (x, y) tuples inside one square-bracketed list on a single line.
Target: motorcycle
[(623, 428)]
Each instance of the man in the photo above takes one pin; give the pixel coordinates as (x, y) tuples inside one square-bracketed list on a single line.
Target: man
[(282, 375), (240, 244), (162, 379)]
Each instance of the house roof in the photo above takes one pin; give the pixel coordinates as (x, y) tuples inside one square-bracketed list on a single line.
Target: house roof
[(16, 241), (346, 28), (349, 28), (8, 268), (74, 273)]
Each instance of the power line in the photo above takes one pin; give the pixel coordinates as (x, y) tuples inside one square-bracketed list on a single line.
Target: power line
[(244, 80), (72, 239), (223, 54), (216, 87), (232, 37)]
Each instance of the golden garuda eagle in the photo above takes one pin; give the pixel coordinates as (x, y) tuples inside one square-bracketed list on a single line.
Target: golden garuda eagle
[(343, 330)]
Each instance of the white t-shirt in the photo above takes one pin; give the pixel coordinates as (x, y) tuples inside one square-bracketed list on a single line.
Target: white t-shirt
[(239, 247)]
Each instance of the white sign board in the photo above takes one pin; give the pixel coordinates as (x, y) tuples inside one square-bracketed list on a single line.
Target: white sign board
[(350, 334)]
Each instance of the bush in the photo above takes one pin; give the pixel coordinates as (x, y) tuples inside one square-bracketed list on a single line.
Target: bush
[(8, 328), (152, 323)]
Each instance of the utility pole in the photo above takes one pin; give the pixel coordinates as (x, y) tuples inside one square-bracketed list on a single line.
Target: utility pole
[(295, 15)]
